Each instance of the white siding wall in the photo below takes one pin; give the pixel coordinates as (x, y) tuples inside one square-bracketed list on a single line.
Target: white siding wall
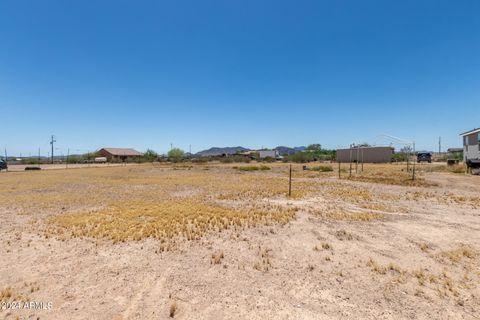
[(267, 153), (473, 152)]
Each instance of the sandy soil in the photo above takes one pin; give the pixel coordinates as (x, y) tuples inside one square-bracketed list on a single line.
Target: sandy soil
[(407, 265)]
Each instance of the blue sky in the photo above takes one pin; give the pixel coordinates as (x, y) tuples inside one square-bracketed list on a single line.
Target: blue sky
[(145, 74)]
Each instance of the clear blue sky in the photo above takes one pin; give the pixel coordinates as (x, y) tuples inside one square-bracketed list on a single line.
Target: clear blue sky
[(254, 73)]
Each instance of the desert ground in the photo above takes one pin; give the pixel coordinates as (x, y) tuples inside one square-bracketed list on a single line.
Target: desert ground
[(225, 241)]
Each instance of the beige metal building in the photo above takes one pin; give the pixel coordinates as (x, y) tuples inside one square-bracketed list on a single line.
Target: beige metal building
[(365, 154)]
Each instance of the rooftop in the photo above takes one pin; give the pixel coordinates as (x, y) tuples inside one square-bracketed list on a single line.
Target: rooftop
[(470, 132), (129, 152)]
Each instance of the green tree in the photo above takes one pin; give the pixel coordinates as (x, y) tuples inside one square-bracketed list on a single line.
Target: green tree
[(150, 155), (315, 147), (176, 154)]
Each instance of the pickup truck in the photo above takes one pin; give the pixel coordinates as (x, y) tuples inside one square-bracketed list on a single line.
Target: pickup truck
[(424, 157), (3, 165)]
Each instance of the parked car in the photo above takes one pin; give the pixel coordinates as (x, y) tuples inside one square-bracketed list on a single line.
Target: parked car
[(424, 157), (3, 165)]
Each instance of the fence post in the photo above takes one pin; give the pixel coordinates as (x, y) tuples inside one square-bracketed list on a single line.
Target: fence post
[(362, 160), (290, 182), (350, 161), (414, 161), (339, 177)]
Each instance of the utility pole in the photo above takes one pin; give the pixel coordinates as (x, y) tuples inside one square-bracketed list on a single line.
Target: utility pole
[(38, 155), (52, 142), (66, 162), (413, 170), (439, 145)]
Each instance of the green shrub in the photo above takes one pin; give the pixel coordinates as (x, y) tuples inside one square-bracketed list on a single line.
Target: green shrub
[(150, 156), (235, 158), (75, 159), (268, 159), (253, 168), (200, 160), (30, 161), (322, 168)]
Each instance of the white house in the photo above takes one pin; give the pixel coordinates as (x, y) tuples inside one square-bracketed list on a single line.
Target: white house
[(471, 145), (262, 154)]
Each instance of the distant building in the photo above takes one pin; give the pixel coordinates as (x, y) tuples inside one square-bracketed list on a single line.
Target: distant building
[(456, 153), (119, 154), (455, 150), (365, 154), (262, 154), (471, 145)]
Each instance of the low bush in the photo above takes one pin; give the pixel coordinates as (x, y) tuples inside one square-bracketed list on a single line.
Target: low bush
[(253, 168), (322, 168), (234, 159)]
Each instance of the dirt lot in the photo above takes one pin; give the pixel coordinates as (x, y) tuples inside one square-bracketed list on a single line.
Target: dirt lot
[(226, 242)]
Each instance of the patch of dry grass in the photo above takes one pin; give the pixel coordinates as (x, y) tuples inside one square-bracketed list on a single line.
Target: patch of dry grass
[(189, 218), (392, 174), (446, 283), (263, 262), (217, 257), (348, 215), (9, 294), (350, 193), (445, 198), (459, 254), (132, 203), (458, 168)]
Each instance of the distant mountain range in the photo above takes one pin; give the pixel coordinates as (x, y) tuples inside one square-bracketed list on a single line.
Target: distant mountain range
[(287, 150), (216, 151)]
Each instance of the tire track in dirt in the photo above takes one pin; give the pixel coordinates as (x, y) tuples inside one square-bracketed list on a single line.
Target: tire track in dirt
[(148, 298)]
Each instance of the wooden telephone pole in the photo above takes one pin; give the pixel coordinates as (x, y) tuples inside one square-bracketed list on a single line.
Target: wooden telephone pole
[(52, 141)]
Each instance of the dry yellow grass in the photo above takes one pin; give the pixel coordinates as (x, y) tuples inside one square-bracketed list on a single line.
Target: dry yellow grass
[(458, 254), (458, 273), (132, 203), (445, 198), (394, 174), (189, 218), (347, 215), (164, 202), (350, 193), (10, 294)]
